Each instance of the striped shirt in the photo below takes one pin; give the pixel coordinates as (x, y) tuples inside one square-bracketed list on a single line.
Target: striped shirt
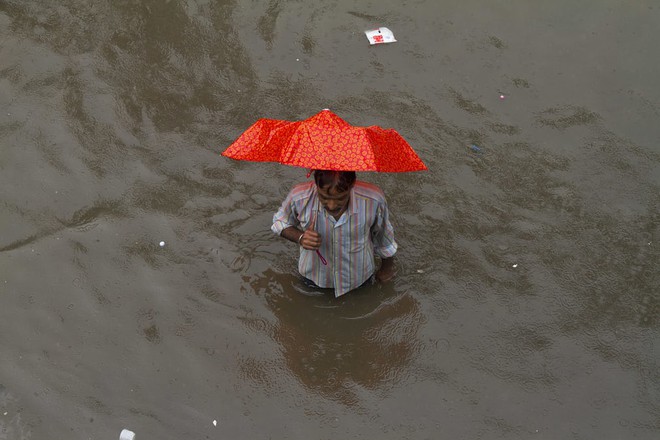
[(348, 244)]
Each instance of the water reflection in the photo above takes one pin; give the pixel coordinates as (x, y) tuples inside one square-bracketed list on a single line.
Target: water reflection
[(335, 346)]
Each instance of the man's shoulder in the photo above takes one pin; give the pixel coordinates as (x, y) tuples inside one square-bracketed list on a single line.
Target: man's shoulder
[(301, 191), (368, 190)]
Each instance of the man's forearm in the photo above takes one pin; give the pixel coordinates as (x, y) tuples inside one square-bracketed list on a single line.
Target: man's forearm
[(387, 263), (386, 271), (292, 234)]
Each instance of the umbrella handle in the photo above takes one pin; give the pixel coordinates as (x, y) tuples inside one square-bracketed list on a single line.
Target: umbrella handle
[(312, 226)]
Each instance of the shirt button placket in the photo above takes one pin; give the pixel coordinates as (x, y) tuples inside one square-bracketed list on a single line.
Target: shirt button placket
[(335, 248)]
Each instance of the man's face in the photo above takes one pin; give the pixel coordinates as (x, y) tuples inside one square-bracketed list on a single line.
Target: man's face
[(334, 202)]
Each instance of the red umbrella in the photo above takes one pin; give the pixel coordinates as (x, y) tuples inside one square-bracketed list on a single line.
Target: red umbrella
[(325, 142)]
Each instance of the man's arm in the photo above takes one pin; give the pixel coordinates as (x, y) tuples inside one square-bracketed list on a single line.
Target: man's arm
[(292, 234), (286, 224), (384, 244), (382, 234), (308, 239)]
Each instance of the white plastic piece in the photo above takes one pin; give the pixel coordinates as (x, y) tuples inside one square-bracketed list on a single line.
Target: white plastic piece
[(380, 36), (126, 435), (162, 243)]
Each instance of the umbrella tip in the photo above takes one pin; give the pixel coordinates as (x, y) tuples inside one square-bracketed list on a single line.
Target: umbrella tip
[(326, 109)]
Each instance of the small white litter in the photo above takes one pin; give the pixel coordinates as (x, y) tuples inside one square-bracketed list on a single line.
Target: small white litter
[(380, 36), (126, 435), (215, 423)]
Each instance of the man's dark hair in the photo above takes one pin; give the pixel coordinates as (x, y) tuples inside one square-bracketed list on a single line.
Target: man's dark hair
[(339, 180)]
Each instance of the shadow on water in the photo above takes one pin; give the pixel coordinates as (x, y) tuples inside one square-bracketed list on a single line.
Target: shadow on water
[(337, 346)]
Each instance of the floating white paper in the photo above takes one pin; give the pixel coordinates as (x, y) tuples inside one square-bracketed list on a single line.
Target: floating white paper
[(380, 36), (126, 435)]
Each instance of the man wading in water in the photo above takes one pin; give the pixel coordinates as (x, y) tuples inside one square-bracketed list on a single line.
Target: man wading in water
[(340, 224)]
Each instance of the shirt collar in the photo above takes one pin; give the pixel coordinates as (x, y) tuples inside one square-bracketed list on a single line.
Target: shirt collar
[(352, 205)]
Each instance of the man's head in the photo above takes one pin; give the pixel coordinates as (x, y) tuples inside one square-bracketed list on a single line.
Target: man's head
[(334, 189)]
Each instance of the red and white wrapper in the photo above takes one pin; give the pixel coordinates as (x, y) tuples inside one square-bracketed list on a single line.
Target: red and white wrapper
[(380, 36)]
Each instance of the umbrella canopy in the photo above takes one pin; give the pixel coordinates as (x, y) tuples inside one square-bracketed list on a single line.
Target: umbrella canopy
[(325, 142)]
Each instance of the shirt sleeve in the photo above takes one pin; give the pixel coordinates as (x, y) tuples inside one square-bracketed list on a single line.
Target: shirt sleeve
[(286, 216), (382, 233)]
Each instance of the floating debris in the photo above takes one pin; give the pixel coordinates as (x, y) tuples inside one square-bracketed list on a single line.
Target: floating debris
[(380, 36), (126, 435)]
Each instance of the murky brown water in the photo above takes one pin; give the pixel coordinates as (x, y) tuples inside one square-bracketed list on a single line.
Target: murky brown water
[(526, 304)]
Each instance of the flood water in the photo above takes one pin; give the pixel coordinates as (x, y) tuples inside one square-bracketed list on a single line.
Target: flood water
[(526, 303)]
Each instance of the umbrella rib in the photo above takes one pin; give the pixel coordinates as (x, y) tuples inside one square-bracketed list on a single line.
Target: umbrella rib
[(311, 142)]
